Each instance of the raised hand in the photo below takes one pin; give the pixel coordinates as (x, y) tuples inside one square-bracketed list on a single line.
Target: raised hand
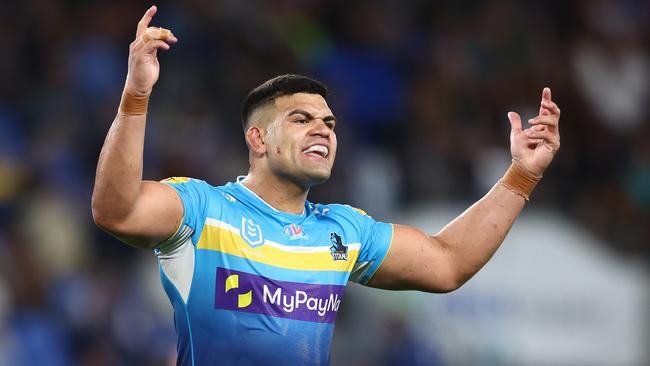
[(143, 61), (535, 147)]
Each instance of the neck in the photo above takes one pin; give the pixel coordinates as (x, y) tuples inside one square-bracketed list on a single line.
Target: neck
[(282, 194)]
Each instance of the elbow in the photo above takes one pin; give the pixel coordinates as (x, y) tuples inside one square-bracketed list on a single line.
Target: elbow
[(455, 280), (436, 284), (455, 285), (98, 213), (103, 215), (108, 222), (448, 278), (97, 208), (448, 285)]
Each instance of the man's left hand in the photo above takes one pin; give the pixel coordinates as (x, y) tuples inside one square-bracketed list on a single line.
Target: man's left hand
[(535, 147)]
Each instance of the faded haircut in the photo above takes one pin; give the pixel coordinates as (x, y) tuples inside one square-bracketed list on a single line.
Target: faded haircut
[(277, 87)]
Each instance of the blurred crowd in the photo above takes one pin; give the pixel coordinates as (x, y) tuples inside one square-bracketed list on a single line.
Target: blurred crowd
[(420, 88)]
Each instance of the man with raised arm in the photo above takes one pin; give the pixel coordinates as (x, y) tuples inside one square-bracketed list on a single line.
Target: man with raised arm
[(254, 271)]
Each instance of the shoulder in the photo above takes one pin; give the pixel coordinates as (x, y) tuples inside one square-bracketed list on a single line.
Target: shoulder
[(192, 182), (338, 211), (184, 180), (198, 187), (342, 209)]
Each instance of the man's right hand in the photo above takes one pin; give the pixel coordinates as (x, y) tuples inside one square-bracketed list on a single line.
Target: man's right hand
[(141, 213), (143, 61)]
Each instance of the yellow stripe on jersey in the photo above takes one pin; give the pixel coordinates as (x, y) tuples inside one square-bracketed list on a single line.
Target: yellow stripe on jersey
[(229, 242), (360, 211), (175, 180)]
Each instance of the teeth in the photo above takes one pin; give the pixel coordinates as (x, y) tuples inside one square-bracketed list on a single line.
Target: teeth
[(319, 149)]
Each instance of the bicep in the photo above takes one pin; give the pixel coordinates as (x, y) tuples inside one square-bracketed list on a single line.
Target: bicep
[(415, 261), (156, 215)]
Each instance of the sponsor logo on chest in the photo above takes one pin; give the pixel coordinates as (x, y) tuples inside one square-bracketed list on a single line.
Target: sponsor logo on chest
[(246, 292), (294, 232)]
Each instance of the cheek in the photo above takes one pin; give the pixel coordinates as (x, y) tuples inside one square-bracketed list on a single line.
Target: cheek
[(275, 147)]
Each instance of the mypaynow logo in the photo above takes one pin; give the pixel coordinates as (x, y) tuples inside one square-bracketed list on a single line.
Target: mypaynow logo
[(241, 291)]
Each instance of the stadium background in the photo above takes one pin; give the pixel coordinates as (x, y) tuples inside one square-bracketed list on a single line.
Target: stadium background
[(421, 90)]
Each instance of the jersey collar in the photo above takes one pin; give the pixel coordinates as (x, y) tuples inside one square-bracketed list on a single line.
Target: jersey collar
[(252, 198)]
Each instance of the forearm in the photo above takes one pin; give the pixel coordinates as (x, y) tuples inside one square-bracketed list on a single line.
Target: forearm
[(473, 237), (118, 178)]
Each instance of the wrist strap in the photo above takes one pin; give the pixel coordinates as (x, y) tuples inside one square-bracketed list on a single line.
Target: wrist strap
[(132, 105), (519, 180)]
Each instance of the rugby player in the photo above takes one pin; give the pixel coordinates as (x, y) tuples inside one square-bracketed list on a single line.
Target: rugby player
[(254, 271)]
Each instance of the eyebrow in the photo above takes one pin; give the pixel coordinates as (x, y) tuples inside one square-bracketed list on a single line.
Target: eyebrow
[(311, 116)]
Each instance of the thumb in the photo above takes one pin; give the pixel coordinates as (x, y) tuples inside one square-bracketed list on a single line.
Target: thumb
[(515, 121)]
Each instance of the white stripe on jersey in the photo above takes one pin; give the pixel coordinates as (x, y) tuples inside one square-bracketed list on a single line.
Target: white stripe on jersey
[(287, 248)]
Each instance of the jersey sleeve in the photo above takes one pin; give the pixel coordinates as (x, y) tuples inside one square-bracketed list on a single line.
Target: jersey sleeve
[(376, 238), (194, 194)]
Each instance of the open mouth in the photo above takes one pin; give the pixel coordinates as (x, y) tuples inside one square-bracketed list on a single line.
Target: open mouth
[(317, 150)]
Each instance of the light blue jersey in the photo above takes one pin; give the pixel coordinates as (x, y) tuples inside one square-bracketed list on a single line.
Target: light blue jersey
[(251, 285)]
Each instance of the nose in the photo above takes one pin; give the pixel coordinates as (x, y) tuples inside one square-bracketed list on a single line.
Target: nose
[(320, 128)]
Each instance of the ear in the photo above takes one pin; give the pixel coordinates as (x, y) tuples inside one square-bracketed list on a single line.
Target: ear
[(255, 140)]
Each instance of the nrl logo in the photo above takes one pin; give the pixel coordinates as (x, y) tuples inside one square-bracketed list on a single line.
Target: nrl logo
[(251, 232), (338, 250)]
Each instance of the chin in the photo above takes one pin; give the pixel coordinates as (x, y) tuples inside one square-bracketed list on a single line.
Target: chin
[(320, 181), (316, 178)]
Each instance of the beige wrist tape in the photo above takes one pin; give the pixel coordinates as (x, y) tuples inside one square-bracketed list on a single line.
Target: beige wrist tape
[(132, 105), (519, 180)]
